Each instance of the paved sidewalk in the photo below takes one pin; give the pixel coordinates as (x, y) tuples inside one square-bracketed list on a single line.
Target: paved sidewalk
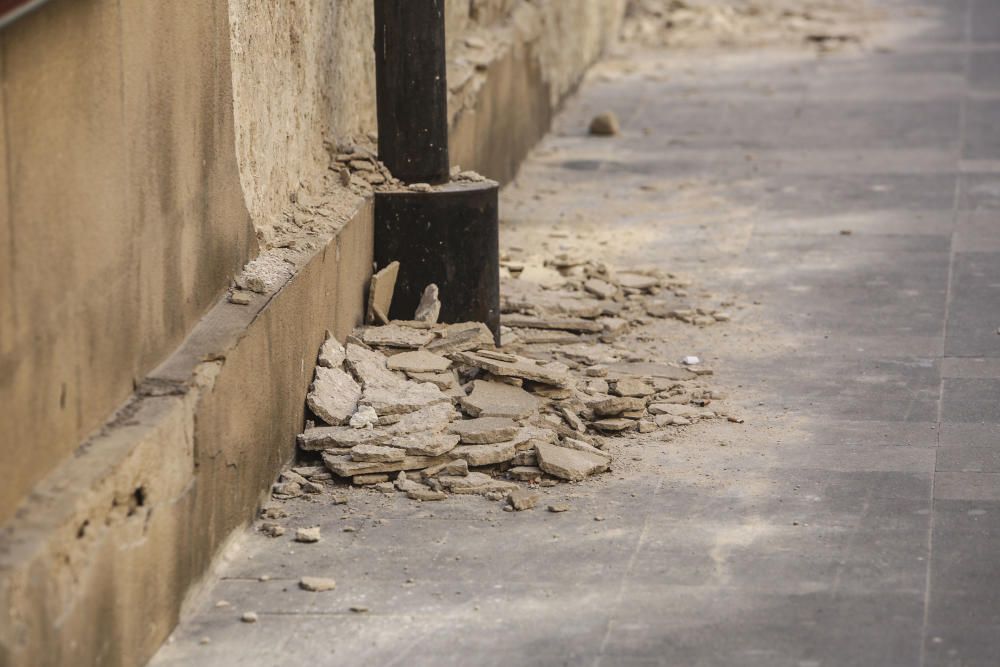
[(852, 203)]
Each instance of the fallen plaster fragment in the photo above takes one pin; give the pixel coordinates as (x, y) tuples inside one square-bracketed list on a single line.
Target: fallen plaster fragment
[(307, 535), (484, 455), (495, 399), (370, 369), (574, 324), (525, 473), (582, 446), (344, 466), (632, 387), (377, 454), (615, 425), (605, 124), (429, 308), (342, 437), (407, 398), (559, 507), (475, 483), (426, 443), (433, 418), (426, 495), (569, 464), (458, 467), (334, 395), (240, 298), (331, 353), (249, 617), (380, 293), (523, 368), (394, 335), (522, 499), (367, 480), (418, 361), (616, 405), (691, 361), (317, 584), (485, 430), (364, 418)]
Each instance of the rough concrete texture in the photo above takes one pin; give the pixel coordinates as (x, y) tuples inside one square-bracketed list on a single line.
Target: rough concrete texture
[(123, 219), (844, 205)]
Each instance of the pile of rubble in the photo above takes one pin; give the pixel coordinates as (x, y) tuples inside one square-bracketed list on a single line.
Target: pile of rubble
[(429, 409)]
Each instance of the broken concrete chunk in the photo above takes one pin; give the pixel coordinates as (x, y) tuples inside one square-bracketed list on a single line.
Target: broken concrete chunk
[(429, 307), (632, 387), (495, 399), (475, 483), (581, 446), (366, 480), (317, 584), (272, 529), (403, 399), (614, 425), (525, 457), (446, 382), (600, 288), (426, 443), (380, 293), (433, 418), (616, 405), (675, 410), (636, 281), (425, 495), (524, 368), (332, 353), (334, 395), (522, 499), (394, 335), (484, 455), (340, 437), (574, 324), (344, 466), (370, 369), (569, 464), (418, 361), (377, 454), (461, 337), (307, 535), (572, 419), (458, 467), (484, 430)]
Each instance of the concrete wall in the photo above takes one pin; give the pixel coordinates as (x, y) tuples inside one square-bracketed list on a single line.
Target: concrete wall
[(123, 217)]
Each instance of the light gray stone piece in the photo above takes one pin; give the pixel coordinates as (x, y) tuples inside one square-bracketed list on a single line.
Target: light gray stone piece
[(334, 395), (582, 446), (614, 425), (569, 464), (456, 468), (434, 418), (496, 399), (380, 292), (484, 455), (344, 466), (675, 410), (394, 335), (632, 387), (339, 437), (307, 535), (408, 397), (524, 368), (615, 405), (429, 307), (317, 584), (377, 454), (426, 443), (522, 499), (484, 430), (418, 361), (525, 473), (475, 483), (369, 367), (331, 354)]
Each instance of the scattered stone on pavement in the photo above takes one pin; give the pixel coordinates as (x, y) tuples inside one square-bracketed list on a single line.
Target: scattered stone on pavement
[(317, 584), (429, 308), (605, 124), (307, 535)]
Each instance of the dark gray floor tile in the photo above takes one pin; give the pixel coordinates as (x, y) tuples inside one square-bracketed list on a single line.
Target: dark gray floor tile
[(973, 311), (975, 486), (970, 434), (970, 400), (969, 458), (982, 130)]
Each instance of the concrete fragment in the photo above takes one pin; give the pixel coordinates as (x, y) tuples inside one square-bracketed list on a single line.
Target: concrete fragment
[(559, 507), (334, 395), (344, 466), (614, 425), (458, 467), (405, 398), (339, 437), (605, 124), (674, 409), (446, 382), (249, 617), (394, 335), (569, 464), (475, 483), (461, 337), (331, 354), (272, 529), (581, 446), (367, 480), (632, 387), (429, 308), (370, 369), (615, 405), (572, 419), (377, 454), (426, 443), (495, 399), (380, 292), (525, 458), (307, 535), (646, 426), (484, 430), (574, 324), (240, 298), (317, 584), (425, 494), (483, 455), (434, 418), (636, 281), (418, 361), (523, 368), (522, 499)]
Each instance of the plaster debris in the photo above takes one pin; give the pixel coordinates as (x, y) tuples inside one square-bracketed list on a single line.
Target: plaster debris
[(521, 499), (569, 464), (377, 454), (364, 418), (240, 298), (380, 292), (429, 308), (334, 395), (497, 399), (332, 354), (418, 361), (317, 584), (307, 535), (249, 617), (485, 430)]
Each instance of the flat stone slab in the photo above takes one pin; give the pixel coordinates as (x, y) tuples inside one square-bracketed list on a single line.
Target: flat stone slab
[(340, 437), (523, 368), (569, 464), (675, 409), (484, 455), (525, 473), (484, 430), (370, 368), (527, 436), (427, 443), (408, 397), (497, 399), (461, 337), (522, 499), (377, 454), (616, 405), (575, 324), (380, 291), (632, 387), (345, 467), (418, 361), (651, 369), (444, 381), (434, 418), (636, 280), (334, 395), (614, 425), (581, 446), (331, 354), (474, 483), (394, 335)]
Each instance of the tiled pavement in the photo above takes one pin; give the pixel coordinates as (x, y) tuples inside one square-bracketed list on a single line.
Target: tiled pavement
[(863, 529)]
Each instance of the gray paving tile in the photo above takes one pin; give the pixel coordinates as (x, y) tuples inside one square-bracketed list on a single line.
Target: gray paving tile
[(982, 486), (970, 400), (982, 131), (972, 317), (969, 458), (953, 434)]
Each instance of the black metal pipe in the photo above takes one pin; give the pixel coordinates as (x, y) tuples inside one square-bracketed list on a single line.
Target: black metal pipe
[(412, 89)]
